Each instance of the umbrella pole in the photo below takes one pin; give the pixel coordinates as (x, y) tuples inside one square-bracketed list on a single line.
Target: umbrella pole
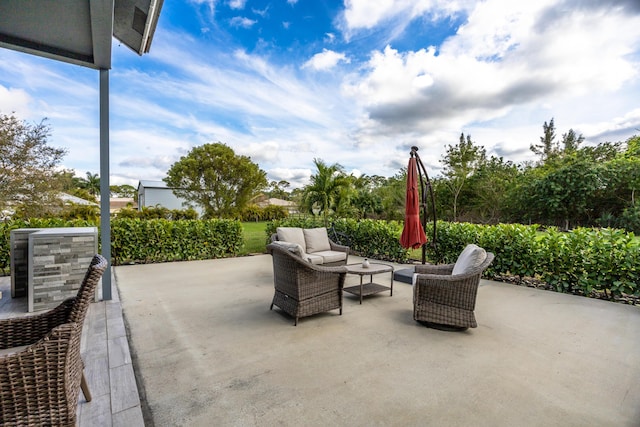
[(425, 185)]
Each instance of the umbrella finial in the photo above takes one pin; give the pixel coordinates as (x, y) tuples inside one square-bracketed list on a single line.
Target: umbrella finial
[(414, 151)]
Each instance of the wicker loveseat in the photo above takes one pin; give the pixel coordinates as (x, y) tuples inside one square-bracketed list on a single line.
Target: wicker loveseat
[(41, 371), (301, 288), (312, 244), (444, 296)]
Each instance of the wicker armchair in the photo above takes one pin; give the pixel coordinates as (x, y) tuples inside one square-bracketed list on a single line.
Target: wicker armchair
[(303, 289), (40, 366), (444, 300)]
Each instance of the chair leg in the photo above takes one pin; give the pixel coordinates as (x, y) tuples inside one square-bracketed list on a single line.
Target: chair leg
[(85, 388), (271, 308)]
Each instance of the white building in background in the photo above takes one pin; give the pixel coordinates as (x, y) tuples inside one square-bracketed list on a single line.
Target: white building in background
[(157, 193)]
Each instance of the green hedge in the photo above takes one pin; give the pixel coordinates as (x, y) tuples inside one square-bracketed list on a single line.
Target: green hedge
[(579, 261), (144, 241), (159, 240), (369, 238)]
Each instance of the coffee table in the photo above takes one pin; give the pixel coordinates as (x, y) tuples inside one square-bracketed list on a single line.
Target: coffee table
[(364, 289)]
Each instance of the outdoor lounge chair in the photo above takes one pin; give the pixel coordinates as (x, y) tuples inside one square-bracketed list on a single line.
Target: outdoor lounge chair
[(444, 296), (301, 288), (41, 370)]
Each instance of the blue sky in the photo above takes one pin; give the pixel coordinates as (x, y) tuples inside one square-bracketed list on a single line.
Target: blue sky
[(355, 82)]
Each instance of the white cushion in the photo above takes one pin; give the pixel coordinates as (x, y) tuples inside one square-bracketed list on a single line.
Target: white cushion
[(291, 235), (315, 259), (317, 239), (471, 258), (292, 247), (331, 256), (414, 279)]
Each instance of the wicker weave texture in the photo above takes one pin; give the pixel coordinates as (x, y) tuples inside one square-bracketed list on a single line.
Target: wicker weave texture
[(442, 298), (40, 384), (303, 289)]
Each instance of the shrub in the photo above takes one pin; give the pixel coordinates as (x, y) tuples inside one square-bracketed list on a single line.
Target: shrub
[(268, 213), (579, 261), (158, 240)]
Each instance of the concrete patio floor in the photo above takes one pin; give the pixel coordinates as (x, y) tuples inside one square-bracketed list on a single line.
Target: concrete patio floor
[(208, 351)]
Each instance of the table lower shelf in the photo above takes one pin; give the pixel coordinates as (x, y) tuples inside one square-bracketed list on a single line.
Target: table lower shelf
[(367, 289)]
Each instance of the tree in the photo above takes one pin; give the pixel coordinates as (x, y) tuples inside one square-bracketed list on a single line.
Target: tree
[(547, 148), (489, 188), (277, 189), (326, 188), (571, 141), (217, 179), (29, 182), (364, 200), (460, 162), (92, 183), (124, 190)]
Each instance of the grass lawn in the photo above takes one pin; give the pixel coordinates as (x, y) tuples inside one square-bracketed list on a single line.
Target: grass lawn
[(254, 237)]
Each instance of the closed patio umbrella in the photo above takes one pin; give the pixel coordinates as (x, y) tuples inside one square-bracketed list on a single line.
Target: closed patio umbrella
[(413, 235)]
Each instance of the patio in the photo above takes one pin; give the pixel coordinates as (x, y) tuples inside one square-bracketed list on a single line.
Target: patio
[(207, 351)]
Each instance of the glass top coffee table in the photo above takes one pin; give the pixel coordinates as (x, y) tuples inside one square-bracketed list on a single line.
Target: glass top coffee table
[(364, 289)]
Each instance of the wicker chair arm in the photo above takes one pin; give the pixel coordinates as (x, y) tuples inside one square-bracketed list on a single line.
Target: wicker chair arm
[(27, 330), (434, 268), (337, 247)]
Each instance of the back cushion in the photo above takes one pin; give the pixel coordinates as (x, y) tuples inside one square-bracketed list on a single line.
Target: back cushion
[(291, 235), (471, 258), (317, 239)]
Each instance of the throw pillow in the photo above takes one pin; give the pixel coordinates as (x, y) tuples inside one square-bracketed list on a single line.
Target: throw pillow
[(471, 258), (293, 247)]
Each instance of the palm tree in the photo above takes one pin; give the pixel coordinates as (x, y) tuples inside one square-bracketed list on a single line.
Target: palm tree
[(325, 189), (92, 184)]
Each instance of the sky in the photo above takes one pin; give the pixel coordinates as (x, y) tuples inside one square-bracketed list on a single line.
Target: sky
[(354, 82)]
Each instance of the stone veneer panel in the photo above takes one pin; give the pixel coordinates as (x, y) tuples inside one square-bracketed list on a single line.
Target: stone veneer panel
[(59, 258), (19, 254)]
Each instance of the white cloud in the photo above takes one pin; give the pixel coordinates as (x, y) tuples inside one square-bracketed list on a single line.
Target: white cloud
[(241, 21), (296, 177), (367, 14), (325, 60), (498, 62), (14, 101), (237, 4)]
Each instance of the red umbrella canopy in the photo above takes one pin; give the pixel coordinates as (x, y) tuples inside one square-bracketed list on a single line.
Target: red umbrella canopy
[(413, 235)]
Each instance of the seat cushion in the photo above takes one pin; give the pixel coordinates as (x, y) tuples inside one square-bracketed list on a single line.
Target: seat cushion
[(331, 256), (291, 235), (316, 239), (469, 259), (315, 259)]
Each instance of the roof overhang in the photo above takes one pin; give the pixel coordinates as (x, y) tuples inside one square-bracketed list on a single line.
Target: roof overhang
[(78, 31)]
